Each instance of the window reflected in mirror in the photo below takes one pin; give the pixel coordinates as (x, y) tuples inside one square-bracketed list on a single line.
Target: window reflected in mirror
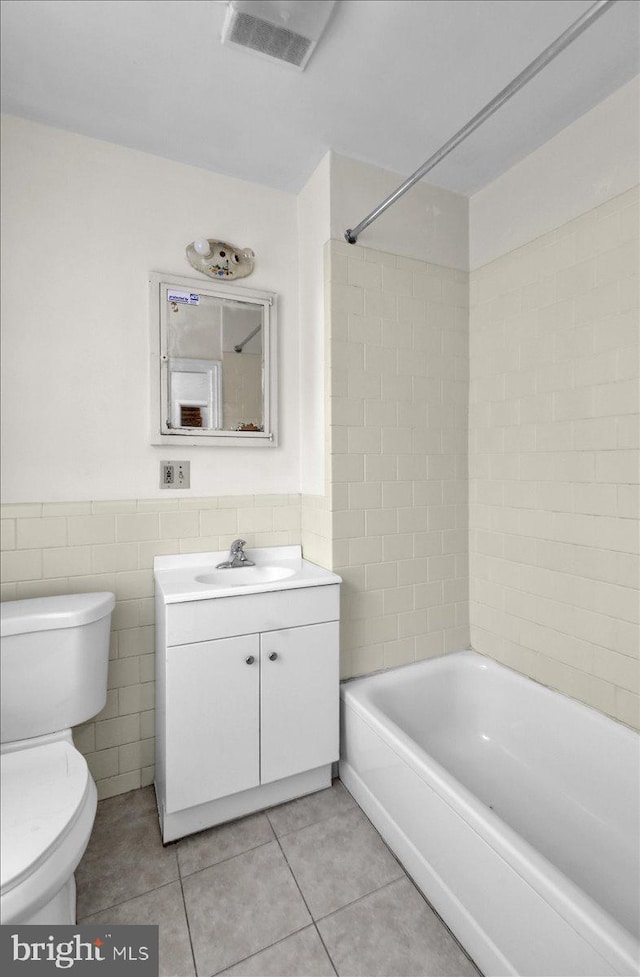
[(214, 362)]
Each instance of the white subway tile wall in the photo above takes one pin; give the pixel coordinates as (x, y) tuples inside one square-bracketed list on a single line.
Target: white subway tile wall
[(66, 548), (554, 459), (397, 335)]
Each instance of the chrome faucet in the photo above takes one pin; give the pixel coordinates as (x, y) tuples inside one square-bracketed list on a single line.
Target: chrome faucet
[(237, 557)]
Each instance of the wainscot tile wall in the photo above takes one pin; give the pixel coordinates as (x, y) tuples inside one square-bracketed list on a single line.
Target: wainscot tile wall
[(554, 459), (65, 548), (397, 382)]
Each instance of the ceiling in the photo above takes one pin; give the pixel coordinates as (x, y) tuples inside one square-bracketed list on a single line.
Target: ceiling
[(390, 81)]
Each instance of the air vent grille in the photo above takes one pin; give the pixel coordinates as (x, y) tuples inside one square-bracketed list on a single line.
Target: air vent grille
[(276, 42)]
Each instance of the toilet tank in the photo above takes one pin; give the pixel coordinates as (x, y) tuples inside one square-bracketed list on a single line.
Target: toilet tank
[(54, 655)]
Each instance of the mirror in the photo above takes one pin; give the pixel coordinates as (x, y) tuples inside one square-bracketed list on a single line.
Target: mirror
[(213, 357)]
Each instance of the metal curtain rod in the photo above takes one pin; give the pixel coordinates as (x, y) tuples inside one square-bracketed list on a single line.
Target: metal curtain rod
[(238, 348), (560, 43)]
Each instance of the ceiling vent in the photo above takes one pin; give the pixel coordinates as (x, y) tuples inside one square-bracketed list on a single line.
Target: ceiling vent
[(281, 30)]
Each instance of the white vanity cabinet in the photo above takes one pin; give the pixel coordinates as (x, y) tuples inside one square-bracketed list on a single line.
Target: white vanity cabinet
[(244, 720), (212, 705), (299, 677)]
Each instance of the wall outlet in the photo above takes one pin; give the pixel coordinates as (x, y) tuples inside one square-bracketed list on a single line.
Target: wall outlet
[(175, 474)]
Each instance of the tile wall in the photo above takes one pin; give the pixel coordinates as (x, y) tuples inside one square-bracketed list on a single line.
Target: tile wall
[(67, 548), (554, 459), (397, 336)]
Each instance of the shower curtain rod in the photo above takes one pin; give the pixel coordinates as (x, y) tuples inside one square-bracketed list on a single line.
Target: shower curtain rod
[(560, 43), (238, 348)]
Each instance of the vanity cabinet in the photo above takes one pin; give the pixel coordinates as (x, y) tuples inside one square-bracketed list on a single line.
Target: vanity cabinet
[(249, 710), (244, 721), (298, 700), (212, 712)]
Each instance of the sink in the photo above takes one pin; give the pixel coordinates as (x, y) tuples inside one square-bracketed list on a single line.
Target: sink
[(245, 576), (196, 576)]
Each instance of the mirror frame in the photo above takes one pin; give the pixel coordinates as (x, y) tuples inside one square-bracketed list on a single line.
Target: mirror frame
[(161, 432)]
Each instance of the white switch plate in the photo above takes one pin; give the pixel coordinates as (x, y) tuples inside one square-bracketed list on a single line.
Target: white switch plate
[(175, 474)]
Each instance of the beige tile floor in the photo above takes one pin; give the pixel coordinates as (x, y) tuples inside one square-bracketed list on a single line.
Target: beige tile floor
[(305, 889)]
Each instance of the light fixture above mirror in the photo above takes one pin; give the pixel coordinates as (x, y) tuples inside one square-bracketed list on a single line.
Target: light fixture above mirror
[(220, 259)]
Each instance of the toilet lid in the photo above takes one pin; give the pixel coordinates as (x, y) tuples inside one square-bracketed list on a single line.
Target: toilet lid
[(42, 792)]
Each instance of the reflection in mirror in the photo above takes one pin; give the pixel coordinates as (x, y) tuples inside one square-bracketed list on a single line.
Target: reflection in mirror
[(213, 363), (215, 375)]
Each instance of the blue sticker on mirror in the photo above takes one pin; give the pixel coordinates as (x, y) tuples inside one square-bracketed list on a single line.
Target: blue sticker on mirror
[(185, 298)]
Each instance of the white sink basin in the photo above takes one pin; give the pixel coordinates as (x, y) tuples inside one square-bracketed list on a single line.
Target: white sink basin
[(195, 576), (245, 576)]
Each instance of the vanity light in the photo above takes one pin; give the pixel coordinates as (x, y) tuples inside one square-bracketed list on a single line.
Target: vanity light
[(220, 259), (202, 246)]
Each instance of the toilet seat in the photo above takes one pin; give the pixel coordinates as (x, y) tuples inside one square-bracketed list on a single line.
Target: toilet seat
[(48, 806)]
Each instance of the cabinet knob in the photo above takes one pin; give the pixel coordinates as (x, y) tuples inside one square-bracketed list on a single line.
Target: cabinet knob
[(250, 660), (273, 656)]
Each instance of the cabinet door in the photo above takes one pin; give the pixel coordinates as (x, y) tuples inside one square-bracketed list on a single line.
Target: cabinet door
[(299, 693), (212, 734)]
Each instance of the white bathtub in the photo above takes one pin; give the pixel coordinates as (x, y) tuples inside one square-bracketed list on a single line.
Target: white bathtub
[(514, 808)]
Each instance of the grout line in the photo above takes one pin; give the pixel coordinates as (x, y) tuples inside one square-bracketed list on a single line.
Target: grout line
[(295, 880), (123, 902), (406, 875), (422, 896), (189, 875), (313, 922), (353, 902), (410, 878), (326, 948), (403, 875), (269, 947), (327, 817), (445, 925), (186, 916)]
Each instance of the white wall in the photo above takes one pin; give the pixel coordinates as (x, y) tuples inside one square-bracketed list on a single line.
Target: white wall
[(427, 223), (313, 231), (84, 222), (590, 161)]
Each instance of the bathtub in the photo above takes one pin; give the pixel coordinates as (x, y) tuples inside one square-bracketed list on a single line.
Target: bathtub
[(514, 809)]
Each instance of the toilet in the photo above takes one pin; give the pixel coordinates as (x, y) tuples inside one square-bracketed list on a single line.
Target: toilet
[(54, 657)]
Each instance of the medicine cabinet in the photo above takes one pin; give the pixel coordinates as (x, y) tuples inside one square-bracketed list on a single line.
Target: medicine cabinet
[(213, 363)]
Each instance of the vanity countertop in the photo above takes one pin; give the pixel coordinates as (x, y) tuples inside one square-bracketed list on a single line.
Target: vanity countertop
[(195, 576)]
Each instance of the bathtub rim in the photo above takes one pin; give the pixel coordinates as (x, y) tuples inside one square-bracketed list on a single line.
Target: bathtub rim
[(478, 659), (577, 908)]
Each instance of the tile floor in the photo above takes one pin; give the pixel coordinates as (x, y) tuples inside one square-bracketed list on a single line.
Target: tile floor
[(305, 889)]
